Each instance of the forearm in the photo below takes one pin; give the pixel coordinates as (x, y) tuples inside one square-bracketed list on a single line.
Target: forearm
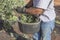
[(35, 11)]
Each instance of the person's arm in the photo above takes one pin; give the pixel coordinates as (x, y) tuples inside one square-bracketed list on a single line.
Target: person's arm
[(41, 6), (30, 10), (34, 11)]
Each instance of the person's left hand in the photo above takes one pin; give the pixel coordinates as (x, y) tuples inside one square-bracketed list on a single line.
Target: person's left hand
[(20, 9)]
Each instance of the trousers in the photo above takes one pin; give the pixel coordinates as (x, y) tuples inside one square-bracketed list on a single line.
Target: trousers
[(46, 29)]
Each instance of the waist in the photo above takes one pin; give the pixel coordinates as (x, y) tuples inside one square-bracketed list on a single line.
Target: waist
[(48, 16)]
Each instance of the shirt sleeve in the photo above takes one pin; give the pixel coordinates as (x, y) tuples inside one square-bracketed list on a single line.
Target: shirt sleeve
[(42, 3)]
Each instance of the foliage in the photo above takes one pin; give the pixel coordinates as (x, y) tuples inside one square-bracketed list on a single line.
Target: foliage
[(57, 21), (28, 18), (7, 9)]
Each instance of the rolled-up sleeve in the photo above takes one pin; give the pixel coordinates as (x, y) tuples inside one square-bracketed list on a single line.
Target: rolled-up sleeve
[(41, 3)]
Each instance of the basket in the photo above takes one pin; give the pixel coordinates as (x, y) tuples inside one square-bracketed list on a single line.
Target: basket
[(29, 27)]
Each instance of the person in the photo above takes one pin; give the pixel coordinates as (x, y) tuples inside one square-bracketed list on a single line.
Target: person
[(46, 10)]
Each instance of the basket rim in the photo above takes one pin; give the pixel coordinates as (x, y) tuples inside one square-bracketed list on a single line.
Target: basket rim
[(30, 23)]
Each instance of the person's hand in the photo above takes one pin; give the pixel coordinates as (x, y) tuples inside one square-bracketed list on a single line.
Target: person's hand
[(20, 9)]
